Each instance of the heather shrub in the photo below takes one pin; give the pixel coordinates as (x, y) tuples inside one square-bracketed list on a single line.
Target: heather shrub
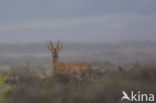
[(93, 86)]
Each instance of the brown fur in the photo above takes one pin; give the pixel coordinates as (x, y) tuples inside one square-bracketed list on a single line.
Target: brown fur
[(73, 67)]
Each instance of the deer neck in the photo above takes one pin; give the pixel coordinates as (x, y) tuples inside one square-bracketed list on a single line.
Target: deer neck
[(56, 62)]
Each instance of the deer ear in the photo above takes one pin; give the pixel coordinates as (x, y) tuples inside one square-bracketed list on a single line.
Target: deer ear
[(59, 47), (50, 46)]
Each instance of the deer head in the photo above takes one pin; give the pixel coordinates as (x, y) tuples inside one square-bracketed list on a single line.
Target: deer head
[(54, 51)]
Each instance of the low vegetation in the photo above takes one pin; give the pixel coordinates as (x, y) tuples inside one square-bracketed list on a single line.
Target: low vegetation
[(93, 86)]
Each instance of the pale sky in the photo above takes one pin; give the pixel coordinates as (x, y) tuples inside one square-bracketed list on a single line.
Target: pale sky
[(77, 20)]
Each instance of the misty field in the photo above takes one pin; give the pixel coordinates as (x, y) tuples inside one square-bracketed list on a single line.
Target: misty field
[(26, 74)]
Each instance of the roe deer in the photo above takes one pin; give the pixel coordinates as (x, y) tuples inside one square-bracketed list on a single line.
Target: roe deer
[(73, 67)]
